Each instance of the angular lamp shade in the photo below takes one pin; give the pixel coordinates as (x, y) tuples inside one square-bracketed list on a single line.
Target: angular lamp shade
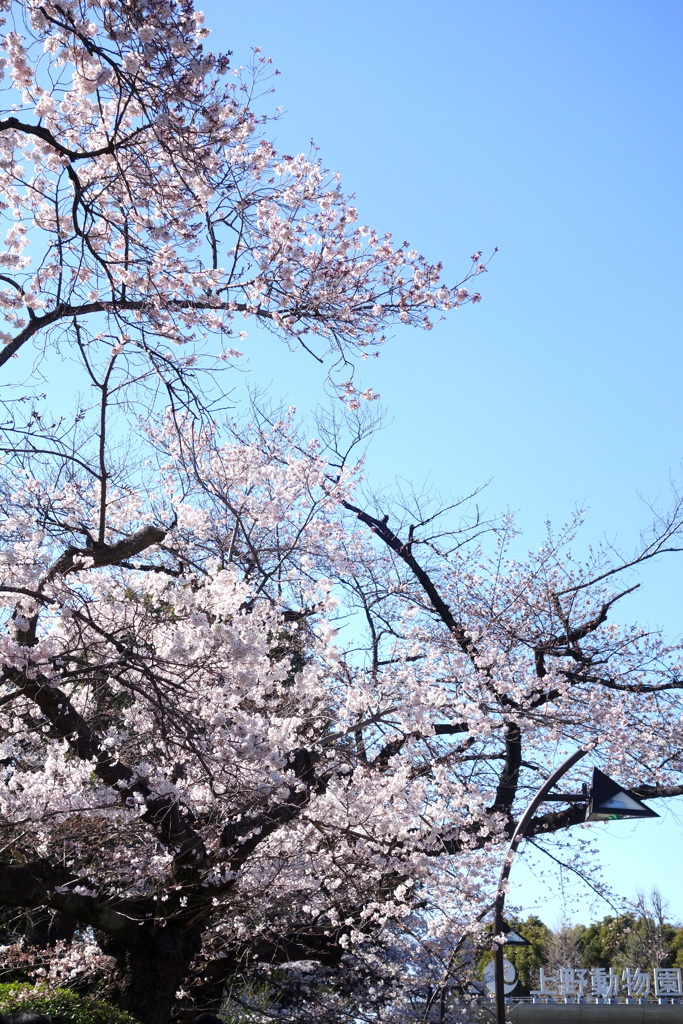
[(609, 802), (513, 938)]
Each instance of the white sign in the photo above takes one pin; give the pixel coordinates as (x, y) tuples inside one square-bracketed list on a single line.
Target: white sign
[(606, 983)]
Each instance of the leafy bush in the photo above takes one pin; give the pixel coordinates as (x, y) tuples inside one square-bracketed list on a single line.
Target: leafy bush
[(63, 1006)]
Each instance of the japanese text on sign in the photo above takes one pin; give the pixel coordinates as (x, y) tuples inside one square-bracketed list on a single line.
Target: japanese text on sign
[(606, 983)]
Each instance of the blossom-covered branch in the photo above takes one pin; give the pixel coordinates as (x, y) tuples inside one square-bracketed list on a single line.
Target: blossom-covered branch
[(146, 200)]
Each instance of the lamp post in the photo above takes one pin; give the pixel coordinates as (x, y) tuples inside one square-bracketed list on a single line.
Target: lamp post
[(605, 801)]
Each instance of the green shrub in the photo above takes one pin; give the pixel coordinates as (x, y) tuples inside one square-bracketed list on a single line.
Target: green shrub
[(63, 1006)]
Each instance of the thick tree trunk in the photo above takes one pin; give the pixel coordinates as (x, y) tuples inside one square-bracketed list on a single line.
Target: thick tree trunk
[(150, 971)]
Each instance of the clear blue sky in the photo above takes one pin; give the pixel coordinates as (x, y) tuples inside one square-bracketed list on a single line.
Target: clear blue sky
[(552, 130)]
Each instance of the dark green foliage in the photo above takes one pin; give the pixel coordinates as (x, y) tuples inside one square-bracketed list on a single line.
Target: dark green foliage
[(605, 943), (677, 949), (528, 959), (630, 940), (63, 1006)]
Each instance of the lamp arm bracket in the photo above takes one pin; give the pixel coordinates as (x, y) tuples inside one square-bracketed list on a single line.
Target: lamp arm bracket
[(569, 798)]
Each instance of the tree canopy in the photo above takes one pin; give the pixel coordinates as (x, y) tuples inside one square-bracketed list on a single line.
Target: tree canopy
[(260, 731)]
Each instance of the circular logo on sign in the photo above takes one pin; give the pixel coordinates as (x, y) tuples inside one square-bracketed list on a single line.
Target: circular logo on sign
[(509, 977)]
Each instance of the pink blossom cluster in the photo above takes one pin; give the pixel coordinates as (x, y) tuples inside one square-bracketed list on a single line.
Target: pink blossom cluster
[(137, 184)]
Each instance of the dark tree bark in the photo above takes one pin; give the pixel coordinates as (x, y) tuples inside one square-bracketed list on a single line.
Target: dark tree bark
[(150, 971)]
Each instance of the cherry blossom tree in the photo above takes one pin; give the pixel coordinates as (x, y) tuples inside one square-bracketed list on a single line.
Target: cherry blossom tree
[(258, 726), (262, 735)]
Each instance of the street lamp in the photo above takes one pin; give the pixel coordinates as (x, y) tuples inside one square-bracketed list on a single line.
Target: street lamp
[(513, 938), (605, 801), (608, 801)]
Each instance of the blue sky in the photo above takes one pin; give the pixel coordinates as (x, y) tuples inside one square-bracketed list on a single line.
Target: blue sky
[(551, 130)]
